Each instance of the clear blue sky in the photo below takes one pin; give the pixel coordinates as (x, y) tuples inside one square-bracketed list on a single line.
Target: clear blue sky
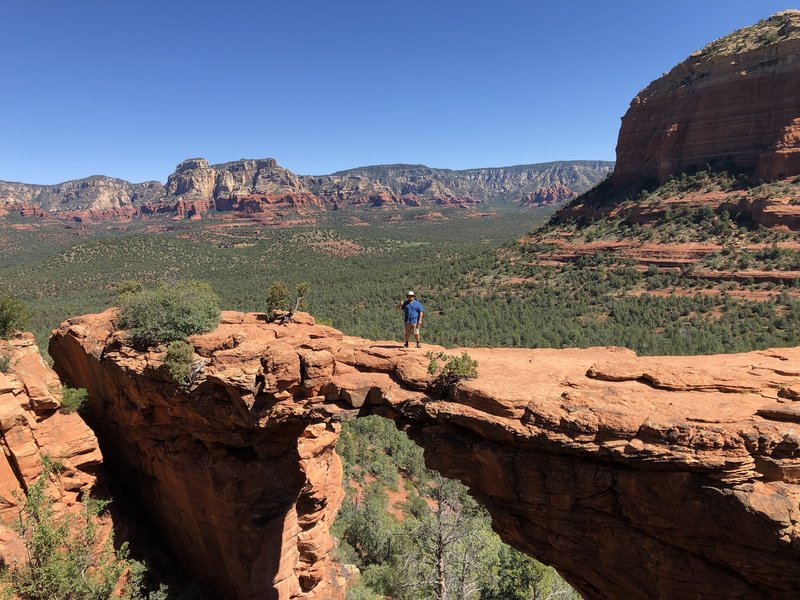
[(130, 88)]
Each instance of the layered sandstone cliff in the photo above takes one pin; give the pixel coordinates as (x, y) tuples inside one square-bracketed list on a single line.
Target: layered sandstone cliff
[(550, 195), (248, 186), (734, 103), (636, 477), (93, 198)]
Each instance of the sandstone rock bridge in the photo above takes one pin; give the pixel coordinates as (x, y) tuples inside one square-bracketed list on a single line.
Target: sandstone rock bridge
[(656, 477)]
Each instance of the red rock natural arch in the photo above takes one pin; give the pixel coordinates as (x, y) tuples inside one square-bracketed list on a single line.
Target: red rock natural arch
[(658, 477)]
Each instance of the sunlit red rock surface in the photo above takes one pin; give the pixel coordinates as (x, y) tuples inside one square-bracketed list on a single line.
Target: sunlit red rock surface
[(657, 477), (32, 428)]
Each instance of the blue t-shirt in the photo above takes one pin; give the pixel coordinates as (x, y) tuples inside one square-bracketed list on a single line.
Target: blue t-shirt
[(412, 309)]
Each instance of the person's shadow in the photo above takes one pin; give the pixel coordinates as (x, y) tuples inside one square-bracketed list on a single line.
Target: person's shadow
[(389, 346)]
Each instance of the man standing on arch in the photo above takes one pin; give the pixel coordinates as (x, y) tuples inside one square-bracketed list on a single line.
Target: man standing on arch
[(413, 312)]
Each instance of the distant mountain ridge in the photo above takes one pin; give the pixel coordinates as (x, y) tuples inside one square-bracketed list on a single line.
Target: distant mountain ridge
[(98, 194), (260, 187), (508, 183)]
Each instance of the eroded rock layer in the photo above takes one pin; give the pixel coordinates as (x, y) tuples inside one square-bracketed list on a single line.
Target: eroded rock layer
[(736, 103), (657, 477), (33, 431)]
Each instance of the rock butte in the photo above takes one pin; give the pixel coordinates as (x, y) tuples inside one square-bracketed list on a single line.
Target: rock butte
[(636, 477), (735, 101), (733, 105)]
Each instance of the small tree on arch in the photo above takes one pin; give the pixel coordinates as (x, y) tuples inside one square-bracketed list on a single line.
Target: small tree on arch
[(279, 308)]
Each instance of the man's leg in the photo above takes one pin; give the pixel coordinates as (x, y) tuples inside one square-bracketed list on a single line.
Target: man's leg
[(407, 330), (416, 335)]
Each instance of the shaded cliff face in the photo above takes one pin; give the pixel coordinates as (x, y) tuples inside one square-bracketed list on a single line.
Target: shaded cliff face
[(655, 477), (734, 102), (32, 428)]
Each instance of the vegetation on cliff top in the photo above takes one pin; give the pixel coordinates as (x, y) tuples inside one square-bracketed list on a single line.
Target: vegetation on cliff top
[(449, 370), (780, 27), (169, 312), (278, 300)]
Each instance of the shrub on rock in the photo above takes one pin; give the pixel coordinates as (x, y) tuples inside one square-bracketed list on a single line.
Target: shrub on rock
[(278, 305), (67, 557), (277, 297), (171, 311), (449, 370), (72, 399), (179, 359)]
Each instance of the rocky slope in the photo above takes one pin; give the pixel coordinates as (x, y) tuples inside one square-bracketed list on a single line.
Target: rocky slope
[(32, 428), (703, 229), (264, 190), (734, 102), (636, 477)]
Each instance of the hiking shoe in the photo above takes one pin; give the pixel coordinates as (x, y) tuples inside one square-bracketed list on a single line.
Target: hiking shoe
[(405, 345), (419, 345)]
